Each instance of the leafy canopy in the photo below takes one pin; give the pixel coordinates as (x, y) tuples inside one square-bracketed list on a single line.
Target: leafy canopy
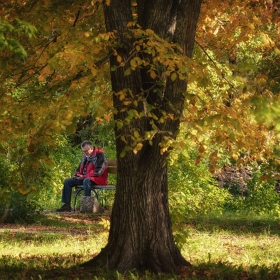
[(54, 70)]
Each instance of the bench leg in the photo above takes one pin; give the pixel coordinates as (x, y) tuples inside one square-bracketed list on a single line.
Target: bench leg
[(75, 198)]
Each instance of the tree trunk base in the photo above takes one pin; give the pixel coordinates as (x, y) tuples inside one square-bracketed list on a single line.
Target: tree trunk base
[(162, 265)]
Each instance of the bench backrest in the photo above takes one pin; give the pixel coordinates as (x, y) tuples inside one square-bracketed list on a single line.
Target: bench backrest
[(112, 166)]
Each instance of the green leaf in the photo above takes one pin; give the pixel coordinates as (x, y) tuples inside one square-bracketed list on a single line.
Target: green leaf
[(127, 72)]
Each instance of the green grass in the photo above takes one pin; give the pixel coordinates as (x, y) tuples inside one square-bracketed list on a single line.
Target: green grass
[(228, 246), (239, 240)]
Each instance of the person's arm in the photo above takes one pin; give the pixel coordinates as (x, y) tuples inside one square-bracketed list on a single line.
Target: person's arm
[(100, 165), (78, 170)]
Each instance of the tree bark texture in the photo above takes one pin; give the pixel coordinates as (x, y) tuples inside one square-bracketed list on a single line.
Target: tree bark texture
[(141, 233)]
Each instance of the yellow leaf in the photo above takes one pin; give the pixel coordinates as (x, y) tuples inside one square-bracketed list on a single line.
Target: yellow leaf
[(119, 58), (122, 96), (173, 77), (276, 50), (107, 117), (23, 191), (41, 78), (133, 64), (150, 31), (137, 148), (153, 74), (127, 103), (234, 156), (166, 73), (251, 26), (163, 150), (93, 71)]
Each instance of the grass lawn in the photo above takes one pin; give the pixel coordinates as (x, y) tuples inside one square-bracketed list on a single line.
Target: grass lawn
[(218, 247)]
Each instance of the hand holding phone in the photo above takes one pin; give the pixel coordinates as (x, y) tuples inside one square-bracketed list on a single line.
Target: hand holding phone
[(78, 176)]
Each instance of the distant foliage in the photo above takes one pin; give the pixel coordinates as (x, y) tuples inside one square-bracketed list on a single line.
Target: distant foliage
[(192, 192), (194, 186), (262, 197), (4, 174), (100, 132)]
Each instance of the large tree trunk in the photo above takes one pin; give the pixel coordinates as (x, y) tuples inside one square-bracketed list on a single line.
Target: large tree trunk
[(141, 234)]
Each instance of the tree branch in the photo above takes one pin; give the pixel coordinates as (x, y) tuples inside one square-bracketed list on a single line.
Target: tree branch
[(77, 17), (214, 63)]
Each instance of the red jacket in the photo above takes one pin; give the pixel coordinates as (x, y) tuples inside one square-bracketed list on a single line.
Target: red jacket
[(95, 167)]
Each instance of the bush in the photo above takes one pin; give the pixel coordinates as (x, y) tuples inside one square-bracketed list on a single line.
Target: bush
[(19, 209), (193, 188), (262, 198), (192, 192)]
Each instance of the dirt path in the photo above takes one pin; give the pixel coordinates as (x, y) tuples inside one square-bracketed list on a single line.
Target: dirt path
[(73, 223)]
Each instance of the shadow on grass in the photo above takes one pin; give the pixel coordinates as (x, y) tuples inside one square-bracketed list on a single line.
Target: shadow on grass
[(209, 271), (238, 224), (68, 220)]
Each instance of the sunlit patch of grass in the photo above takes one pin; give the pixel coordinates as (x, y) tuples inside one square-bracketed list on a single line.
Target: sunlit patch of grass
[(238, 223), (20, 243), (233, 249), (23, 252), (246, 240)]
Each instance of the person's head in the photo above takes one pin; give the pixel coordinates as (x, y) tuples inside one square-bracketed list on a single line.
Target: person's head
[(87, 147)]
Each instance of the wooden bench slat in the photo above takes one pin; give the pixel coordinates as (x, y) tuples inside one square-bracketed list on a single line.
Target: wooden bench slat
[(112, 169), (107, 187), (98, 187), (112, 162)]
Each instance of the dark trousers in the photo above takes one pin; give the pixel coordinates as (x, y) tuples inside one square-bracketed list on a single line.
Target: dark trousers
[(69, 183)]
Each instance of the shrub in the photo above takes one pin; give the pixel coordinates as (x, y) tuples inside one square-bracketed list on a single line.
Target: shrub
[(19, 209), (262, 198), (192, 191)]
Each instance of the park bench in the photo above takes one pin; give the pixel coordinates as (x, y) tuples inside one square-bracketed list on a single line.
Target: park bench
[(112, 169)]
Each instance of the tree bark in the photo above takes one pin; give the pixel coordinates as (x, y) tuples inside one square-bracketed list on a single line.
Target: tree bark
[(141, 234)]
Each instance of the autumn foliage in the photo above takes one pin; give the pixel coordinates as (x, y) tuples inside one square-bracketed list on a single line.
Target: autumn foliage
[(48, 80), (211, 75)]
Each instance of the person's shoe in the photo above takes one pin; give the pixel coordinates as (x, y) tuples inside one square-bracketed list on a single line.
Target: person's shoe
[(64, 208)]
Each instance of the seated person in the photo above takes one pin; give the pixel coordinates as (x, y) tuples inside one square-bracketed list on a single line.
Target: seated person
[(92, 170)]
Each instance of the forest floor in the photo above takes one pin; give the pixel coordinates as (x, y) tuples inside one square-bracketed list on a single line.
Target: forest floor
[(67, 222), (55, 227)]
